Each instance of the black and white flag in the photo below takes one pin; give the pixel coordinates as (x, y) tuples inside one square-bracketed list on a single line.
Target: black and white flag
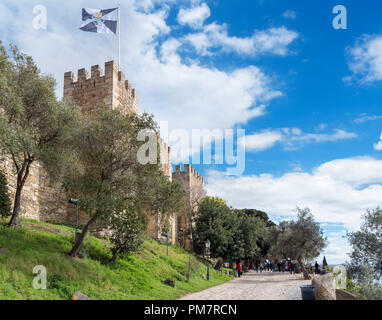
[(100, 21)]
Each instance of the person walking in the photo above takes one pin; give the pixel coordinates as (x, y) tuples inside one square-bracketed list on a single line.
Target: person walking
[(316, 268), (292, 266), (283, 266), (238, 268)]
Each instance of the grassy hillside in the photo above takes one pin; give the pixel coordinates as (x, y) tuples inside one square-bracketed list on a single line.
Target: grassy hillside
[(136, 277)]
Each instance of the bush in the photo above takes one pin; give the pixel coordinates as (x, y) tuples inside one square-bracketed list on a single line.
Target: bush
[(370, 291), (5, 202), (127, 233)]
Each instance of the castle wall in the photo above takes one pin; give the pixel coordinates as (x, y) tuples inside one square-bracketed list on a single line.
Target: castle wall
[(110, 88), (44, 200), (193, 183), (41, 198), (155, 225)]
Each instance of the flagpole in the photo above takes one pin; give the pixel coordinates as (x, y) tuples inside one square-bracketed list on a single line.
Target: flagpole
[(119, 37)]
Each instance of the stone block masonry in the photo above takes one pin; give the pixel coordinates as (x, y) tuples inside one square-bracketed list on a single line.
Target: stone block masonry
[(110, 88), (193, 183), (42, 199)]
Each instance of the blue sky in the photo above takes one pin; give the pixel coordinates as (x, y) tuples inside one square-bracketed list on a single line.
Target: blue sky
[(307, 95)]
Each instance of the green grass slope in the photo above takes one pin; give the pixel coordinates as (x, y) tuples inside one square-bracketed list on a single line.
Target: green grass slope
[(138, 277)]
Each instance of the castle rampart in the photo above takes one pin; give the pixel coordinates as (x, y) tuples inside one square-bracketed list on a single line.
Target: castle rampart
[(110, 88), (193, 183), (43, 199)]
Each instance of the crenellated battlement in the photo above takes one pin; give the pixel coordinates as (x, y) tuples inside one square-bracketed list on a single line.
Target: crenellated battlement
[(190, 172), (165, 157), (193, 183), (111, 88)]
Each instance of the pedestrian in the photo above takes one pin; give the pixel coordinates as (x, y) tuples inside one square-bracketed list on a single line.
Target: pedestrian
[(279, 266), (238, 268), (257, 267), (316, 268), (283, 266), (292, 265)]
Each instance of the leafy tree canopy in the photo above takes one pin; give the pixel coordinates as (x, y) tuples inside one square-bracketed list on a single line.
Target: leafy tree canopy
[(366, 256), (34, 126)]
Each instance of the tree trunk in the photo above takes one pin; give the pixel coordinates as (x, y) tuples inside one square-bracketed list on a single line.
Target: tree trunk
[(305, 273), (22, 176), (114, 257), (16, 208), (80, 239)]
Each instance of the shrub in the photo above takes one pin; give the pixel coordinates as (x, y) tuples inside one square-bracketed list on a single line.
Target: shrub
[(370, 291)]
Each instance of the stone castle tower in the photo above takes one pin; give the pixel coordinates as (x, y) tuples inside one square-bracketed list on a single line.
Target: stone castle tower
[(193, 182), (112, 88), (44, 199)]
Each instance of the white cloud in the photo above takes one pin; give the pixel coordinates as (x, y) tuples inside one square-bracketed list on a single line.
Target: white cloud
[(194, 16), (338, 191), (338, 249), (365, 59), (262, 141), (378, 146), (274, 40), (186, 94), (271, 41), (290, 14), (291, 138), (323, 137), (200, 42), (364, 118)]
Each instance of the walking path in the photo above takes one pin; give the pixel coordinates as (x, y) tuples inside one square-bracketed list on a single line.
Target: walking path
[(255, 286)]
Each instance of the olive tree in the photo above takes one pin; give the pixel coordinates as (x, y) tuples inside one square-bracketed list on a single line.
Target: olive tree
[(108, 176), (5, 203), (365, 266), (34, 126), (367, 245), (302, 239)]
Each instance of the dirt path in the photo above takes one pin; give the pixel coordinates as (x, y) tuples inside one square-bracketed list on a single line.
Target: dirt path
[(255, 286)]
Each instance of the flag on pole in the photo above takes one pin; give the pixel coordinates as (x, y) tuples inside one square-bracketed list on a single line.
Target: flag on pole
[(100, 21)]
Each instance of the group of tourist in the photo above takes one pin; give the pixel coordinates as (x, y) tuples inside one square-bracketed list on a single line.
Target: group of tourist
[(275, 266), (286, 265)]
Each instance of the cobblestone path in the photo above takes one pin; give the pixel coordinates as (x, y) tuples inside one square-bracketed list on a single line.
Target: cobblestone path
[(255, 286)]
